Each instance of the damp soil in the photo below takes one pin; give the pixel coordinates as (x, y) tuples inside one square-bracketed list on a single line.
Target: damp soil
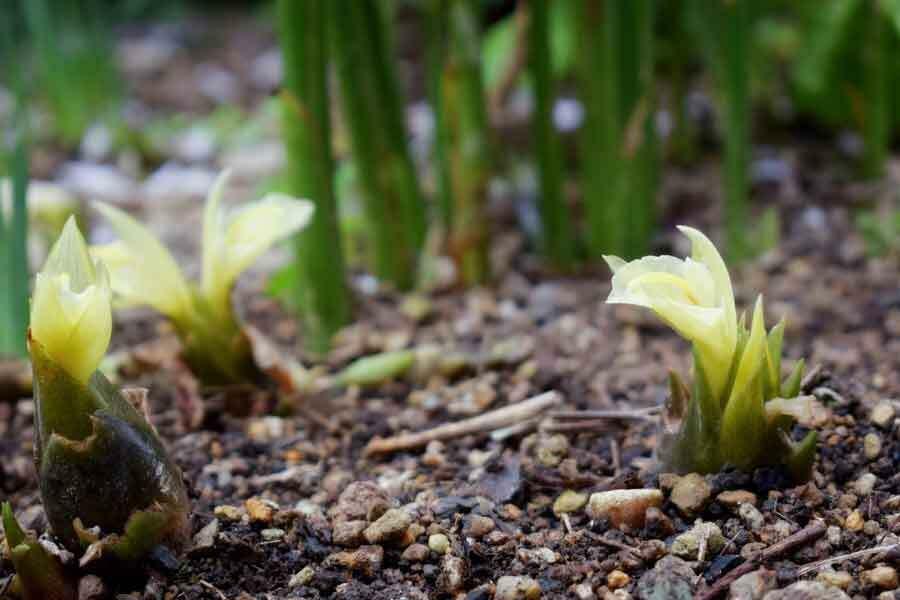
[(281, 497)]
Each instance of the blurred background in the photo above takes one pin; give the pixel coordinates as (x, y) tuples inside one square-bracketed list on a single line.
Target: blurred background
[(445, 140)]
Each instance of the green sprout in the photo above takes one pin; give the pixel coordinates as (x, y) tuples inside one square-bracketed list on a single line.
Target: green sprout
[(39, 575), (100, 463), (143, 272), (739, 411)]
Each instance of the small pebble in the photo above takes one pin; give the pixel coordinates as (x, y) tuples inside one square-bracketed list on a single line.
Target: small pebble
[(453, 573), (569, 501), (752, 518), (691, 494), (734, 498), (438, 543), (839, 579), (480, 526), (882, 577), (872, 446), (623, 507), (517, 588), (228, 513), (865, 484), (259, 510), (388, 527), (302, 577), (617, 579), (855, 521), (883, 414), (415, 553), (270, 535)]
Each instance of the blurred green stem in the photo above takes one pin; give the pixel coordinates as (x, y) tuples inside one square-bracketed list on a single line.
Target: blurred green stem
[(14, 224), (734, 75), (321, 287), (558, 240), (619, 155), (876, 75), (462, 147), (373, 110)]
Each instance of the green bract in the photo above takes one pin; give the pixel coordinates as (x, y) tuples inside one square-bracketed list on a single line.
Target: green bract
[(738, 411), (100, 463)]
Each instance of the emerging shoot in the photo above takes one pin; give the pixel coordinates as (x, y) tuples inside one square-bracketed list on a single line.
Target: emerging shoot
[(99, 462), (738, 411), (143, 272)]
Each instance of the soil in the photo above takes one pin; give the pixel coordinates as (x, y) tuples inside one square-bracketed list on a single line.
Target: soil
[(268, 509)]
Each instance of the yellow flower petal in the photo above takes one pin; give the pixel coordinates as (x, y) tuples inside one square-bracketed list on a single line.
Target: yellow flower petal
[(233, 243), (71, 315), (142, 271)]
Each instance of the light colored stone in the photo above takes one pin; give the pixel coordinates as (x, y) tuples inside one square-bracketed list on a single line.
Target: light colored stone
[(691, 494), (882, 414), (517, 588), (569, 501), (260, 510), (415, 553), (272, 534), (882, 577), (617, 579), (389, 527), (453, 573), (366, 560), (872, 446), (439, 543), (807, 590), (348, 533), (855, 521), (304, 576), (480, 526), (752, 518), (700, 542), (838, 579), (226, 512), (865, 484), (734, 498), (624, 507), (753, 585)]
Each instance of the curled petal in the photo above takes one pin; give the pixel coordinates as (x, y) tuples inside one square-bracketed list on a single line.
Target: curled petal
[(232, 244), (142, 271)]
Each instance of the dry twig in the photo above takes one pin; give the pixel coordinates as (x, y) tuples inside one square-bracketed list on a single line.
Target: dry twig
[(490, 421), (808, 534), (815, 566)]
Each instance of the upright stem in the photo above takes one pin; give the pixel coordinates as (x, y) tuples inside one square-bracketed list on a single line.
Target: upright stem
[(14, 231), (558, 240), (463, 154), (321, 290), (734, 75), (876, 75), (373, 109), (618, 145)]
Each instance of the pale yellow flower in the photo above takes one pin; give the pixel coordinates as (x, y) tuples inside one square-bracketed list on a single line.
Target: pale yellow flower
[(232, 242), (71, 315), (694, 296), (144, 272)]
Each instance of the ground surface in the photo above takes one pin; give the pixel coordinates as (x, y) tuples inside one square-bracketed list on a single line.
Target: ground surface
[(284, 506)]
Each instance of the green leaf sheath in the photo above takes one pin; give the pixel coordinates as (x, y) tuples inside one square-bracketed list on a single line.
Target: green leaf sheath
[(373, 110), (462, 142), (321, 288), (558, 240)]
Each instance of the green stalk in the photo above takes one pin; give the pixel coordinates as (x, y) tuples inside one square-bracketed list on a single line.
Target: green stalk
[(321, 288), (876, 75), (558, 240), (462, 153), (14, 229), (734, 76), (373, 109), (618, 145)]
